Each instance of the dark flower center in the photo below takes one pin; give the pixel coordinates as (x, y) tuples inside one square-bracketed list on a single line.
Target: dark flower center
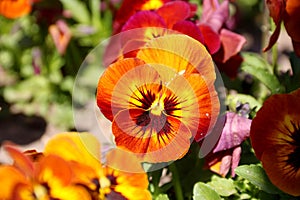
[(294, 157)]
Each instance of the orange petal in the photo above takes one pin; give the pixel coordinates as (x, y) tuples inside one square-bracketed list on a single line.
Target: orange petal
[(180, 52), (80, 147), (119, 82), (154, 138), (208, 105), (21, 161), (54, 171), (282, 174), (115, 159), (10, 177), (273, 123), (128, 185), (14, 8), (61, 35)]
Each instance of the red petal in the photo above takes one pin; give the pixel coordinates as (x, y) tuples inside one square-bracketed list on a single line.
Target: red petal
[(173, 12), (190, 29), (276, 8), (232, 43), (291, 19), (273, 38), (144, 19), (211, 38), (21, 161)]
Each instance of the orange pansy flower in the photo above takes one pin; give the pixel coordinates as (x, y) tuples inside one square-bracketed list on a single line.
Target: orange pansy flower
[(162, 98), (275, 137), (82, 151), (48, 178), (14, 8)]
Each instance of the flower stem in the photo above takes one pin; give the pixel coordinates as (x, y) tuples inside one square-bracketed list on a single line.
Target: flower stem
[(176, 181)]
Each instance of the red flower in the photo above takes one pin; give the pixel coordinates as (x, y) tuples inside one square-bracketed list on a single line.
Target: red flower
[(288, 12), (275, 138), (226, 44)]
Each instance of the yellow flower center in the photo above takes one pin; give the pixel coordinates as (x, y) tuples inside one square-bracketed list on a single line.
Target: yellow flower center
[(152, 5), (157, 107)]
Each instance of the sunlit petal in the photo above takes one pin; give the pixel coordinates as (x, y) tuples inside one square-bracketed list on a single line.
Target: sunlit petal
[(180, 52), (10, 177), (120, 81), (80, 147)]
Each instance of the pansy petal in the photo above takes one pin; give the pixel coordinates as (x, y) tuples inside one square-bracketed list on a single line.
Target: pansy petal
[(71, 192), (54, 170), (120, 81), (275, 138), (273, 38), (180, 52), (127, 185), (130, 7), (215, 14), (276, 8), (15, 9), (231, 66), (235, 131), (10, 177), (208, 105), (21, 161), (291, 19), (190, 29), (174, 11), (232, 43), (61, 35), (144, 19), (296, 46), (281, 174), (80, 147), (155, 139), (211, 38), (115, 159), (276, 130)]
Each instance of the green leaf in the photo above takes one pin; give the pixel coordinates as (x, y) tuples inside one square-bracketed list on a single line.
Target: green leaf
[(204, 192), (256, 66), (162, 197), (232, 101), (224, 187), (258, 177), (78, 10)]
